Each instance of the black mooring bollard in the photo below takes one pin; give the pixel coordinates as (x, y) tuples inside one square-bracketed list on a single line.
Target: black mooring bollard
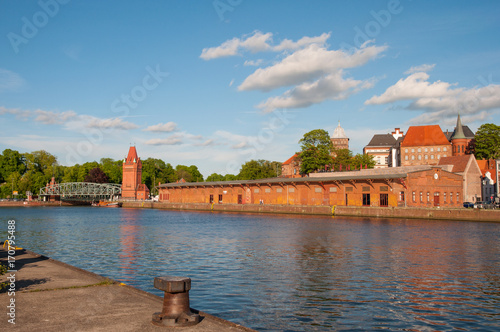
[(176, 311)]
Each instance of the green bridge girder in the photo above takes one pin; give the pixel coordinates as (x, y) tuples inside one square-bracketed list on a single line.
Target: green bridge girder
[(82, 190)]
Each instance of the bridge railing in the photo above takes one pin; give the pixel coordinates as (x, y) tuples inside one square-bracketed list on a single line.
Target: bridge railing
[(82, 189)]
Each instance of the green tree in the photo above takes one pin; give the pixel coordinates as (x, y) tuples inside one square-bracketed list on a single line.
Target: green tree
[(112, 168), (188, 173), (316, 149), (259, 169), (363, 160), (11, 161), (487, 141), (84, 170), (214, 177), (155, 171)]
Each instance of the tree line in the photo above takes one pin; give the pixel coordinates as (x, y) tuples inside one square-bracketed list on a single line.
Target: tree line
[(28, 172)]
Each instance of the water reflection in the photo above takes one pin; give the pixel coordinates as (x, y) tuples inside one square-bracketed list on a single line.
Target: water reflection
[(281, 273)]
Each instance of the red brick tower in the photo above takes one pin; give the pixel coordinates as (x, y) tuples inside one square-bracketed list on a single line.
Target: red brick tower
[(458, 140), (132, 174)]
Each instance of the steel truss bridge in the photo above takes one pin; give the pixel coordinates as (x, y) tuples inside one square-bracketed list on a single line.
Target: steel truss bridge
[(82, 191)]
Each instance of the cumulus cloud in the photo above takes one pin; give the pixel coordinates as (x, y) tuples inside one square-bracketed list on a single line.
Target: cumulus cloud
[(173, 140), (112, 123), (10, 81), (307, 64), (258, 42), (238, 141), (333, 87), (163, 127), (440, 100), (24, 114)]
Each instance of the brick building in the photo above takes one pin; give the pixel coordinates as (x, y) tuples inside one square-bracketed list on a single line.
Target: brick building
[(291, 167), (132, 188), (373, 187), (339, 138), (424, 145), (467, 167)]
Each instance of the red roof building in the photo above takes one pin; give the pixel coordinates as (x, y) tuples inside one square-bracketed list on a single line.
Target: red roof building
[(466, 165), (291, 167), (424, 145)]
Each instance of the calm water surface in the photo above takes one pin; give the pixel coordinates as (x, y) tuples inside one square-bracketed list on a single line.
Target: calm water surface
[(287, 273)]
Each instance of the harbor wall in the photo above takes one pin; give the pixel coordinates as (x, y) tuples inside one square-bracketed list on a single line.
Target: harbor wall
[(376, 212)]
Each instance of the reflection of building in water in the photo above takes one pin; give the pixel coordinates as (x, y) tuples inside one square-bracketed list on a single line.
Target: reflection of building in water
[(129, 245)]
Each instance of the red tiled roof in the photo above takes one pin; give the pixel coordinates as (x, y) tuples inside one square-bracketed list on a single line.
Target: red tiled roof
[(289, 160), (132, 154), (459, 162), (484, 166), (424, 136)]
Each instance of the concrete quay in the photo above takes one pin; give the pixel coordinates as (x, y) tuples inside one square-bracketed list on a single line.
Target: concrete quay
[(54, 296), (457, 214)]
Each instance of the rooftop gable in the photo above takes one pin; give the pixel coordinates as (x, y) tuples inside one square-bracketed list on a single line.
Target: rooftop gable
[(424, 136), (132, 155), (382, 140)]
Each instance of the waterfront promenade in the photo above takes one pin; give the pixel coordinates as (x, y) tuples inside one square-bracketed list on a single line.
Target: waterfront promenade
[(53, 296)]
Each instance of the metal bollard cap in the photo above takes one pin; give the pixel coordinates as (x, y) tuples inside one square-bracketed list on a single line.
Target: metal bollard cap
[(172, 284)]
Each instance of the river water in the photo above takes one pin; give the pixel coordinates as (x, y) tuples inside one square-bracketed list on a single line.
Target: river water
[(287, 273)]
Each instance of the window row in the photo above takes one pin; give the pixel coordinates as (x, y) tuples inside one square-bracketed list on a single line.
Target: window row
[(438, 149), (426, 197)]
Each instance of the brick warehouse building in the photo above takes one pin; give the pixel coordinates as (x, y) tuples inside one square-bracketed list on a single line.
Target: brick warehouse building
[(399, 186)]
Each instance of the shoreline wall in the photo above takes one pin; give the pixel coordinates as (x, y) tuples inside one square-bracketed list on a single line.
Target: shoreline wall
[(354, 211)]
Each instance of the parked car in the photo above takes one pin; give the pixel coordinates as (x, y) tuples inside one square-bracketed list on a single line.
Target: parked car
[(479, 205), (468, 205)]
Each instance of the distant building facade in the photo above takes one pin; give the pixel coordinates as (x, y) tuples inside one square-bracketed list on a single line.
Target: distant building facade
[(132, 188), (424, 145), (384, 149), (467, 167), (291, 167)]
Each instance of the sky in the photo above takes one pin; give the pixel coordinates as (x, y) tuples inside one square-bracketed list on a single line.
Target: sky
[(218, 83)]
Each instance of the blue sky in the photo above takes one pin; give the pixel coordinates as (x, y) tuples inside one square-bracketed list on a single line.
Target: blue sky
[(217, 83)]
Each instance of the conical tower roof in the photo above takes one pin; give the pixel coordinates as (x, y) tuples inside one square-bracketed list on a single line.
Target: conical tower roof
[(339, 132), (459, 132)]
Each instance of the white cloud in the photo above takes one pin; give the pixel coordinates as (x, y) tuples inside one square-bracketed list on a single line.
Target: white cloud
[(333, 87), (112, 123), (305, 65), (258, 42), (411, 87), (163, 127), (48, 117), (238, 141), (440, 100), (423, 68), (164, 141), (10, 81), (23, 114)]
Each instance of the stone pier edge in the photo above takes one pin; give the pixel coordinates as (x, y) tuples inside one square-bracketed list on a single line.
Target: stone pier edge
[(460, 214)]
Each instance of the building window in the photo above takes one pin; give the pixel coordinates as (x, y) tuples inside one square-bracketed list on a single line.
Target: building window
[(267, 190), (439, 156), (406, 150), (438, 149), (365, 189), (256, 190), (412, 150), (419, 157), (406, 157), (458, 197), (432, 149), (291, 190), (426, 150), (317, 190), (386, 160), (444, 197), (366, 199), (278, 190), (384, 188), (444, 149), (413, 196), (348, 189), (421, 197), (444, 156), (419, 150), (402, 196), (428, 197), (412, 157), (384, 200), (451, 197), (333, 189), (211, 199), (432, 156), (426, 157)]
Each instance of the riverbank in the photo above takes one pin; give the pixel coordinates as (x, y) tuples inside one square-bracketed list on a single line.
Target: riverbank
[(53, 296), (356, 211)]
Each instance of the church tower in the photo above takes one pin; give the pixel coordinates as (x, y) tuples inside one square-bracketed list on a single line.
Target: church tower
[(339, 138), (132, 174), (458, 140)]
